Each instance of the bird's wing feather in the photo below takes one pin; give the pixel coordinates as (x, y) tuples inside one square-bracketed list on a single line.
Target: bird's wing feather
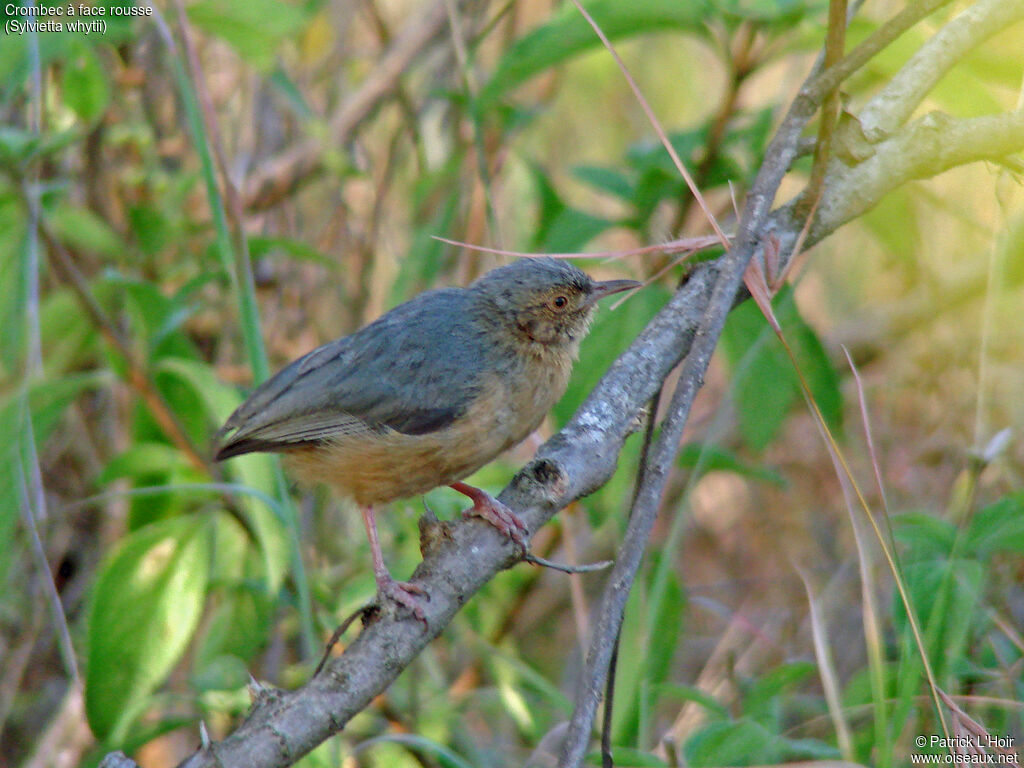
[(414, 370)]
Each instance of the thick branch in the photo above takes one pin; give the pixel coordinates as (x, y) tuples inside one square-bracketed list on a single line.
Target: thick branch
[(893, 105), (930, 145)]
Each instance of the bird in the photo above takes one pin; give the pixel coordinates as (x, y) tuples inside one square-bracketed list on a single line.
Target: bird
[(426, 394)]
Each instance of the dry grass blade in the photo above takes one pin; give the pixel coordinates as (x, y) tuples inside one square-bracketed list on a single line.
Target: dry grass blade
[(868, 436), (682, 245), (873, 636), (827, 669)]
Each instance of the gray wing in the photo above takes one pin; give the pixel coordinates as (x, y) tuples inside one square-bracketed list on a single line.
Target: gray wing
[(414, 370)]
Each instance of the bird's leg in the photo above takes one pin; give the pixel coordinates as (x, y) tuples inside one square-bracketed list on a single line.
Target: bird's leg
[(495, 513), (401, 592)]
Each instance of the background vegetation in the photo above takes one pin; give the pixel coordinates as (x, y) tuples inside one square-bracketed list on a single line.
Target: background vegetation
[(142, 583)]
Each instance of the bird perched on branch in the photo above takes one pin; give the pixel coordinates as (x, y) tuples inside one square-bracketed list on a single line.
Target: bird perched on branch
[(426, 394)]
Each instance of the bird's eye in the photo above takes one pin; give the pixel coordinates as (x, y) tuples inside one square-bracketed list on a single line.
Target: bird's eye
[(559, 302)]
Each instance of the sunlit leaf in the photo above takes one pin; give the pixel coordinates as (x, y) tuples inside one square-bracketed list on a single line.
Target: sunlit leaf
[(254, 28), (86, 89), (568, 34), (146, 604)]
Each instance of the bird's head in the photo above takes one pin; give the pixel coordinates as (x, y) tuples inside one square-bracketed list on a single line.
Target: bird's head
[(546, 301)]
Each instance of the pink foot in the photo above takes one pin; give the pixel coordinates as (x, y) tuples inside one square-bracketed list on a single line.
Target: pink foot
[(497, 514), (403, 593)]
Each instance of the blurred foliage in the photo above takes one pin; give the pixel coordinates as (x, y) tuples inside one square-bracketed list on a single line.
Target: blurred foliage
[(178, 578)]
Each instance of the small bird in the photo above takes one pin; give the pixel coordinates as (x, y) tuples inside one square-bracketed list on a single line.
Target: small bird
[(426, 394)]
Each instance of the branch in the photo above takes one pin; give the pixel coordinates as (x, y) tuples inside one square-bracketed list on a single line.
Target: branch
[(928, 146), (893, 105)]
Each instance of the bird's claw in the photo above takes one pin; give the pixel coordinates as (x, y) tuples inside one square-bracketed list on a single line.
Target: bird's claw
[(404, 594), (502, 518)]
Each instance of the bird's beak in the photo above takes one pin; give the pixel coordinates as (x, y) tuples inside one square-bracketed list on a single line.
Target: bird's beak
[(599, 290)]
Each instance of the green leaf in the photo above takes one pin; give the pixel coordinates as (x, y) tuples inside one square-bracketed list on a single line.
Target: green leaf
[(771, 11), (632, 757), (147, 601), (549, 205), (696, 695), (261, 246), (254, 28), (255, 471), (760, 699), (710, 458), (241, 620), (444, 756), (605, 179), (743, 742), (142, 459), (69, 337), (571, 230), (84, 229), (998, 527), (150, 227), (16, 61), (764, 388), (924, 534), (224, 673), (86, 89), (242, 608), (821, 375), (18, 146), (947, 596), (48, 400), (568, 34)]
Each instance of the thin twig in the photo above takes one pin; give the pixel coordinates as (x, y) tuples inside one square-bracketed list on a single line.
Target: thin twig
[(565, 567), (682, 245), (613, 662), (364, 612), (827, 81), (645, 511), (835, 40)]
